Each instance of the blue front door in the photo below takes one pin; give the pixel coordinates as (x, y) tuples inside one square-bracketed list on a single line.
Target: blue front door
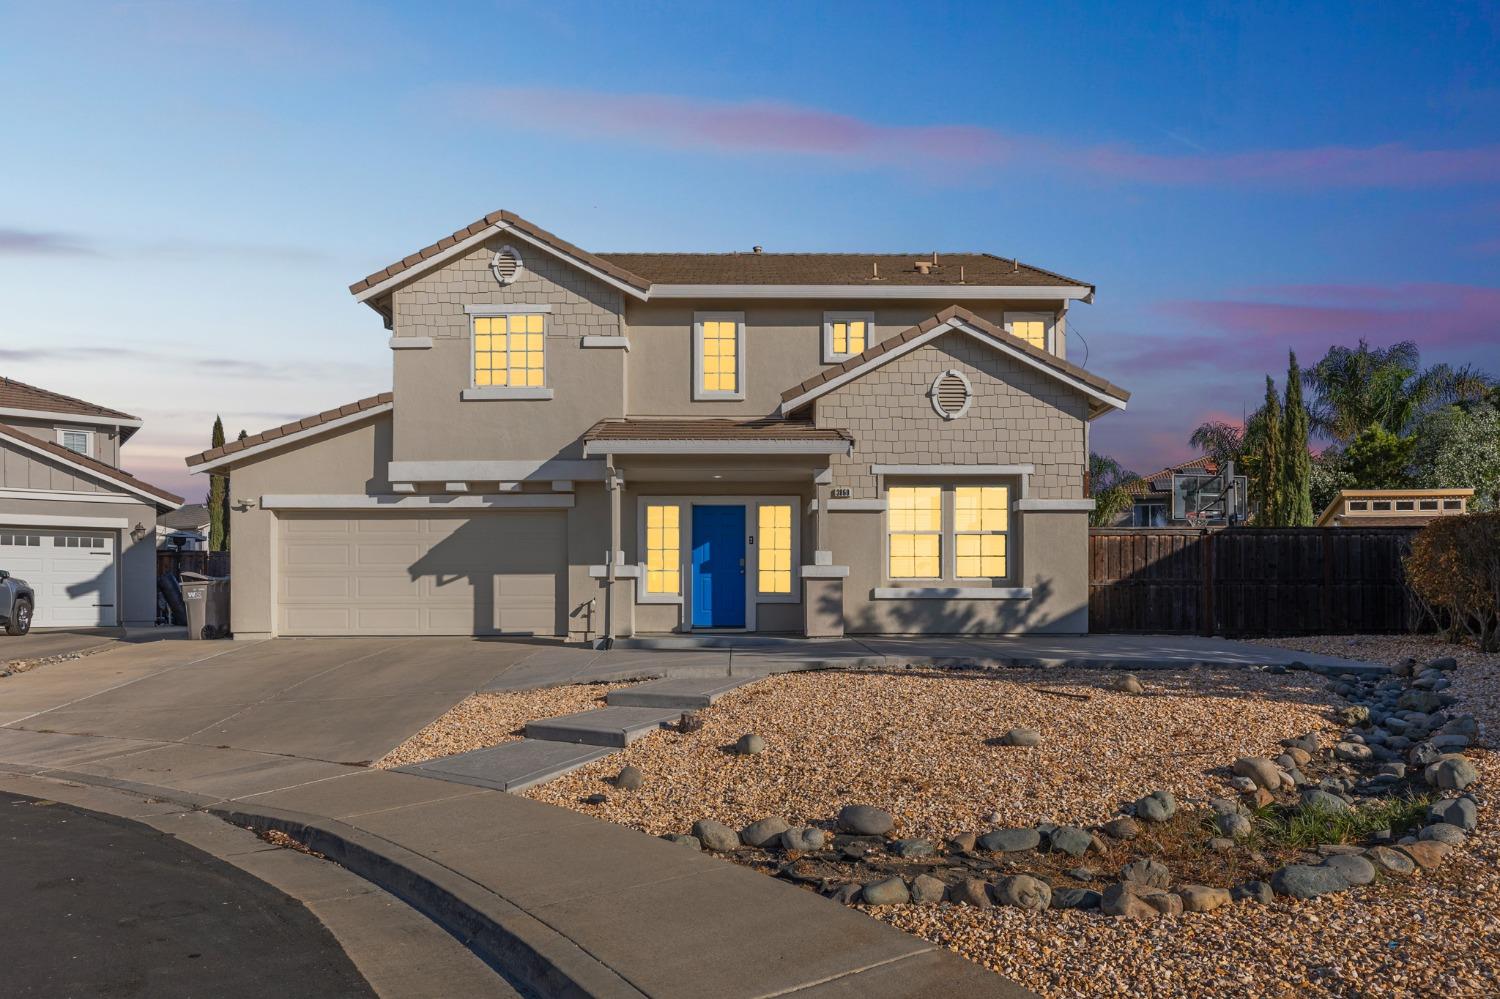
[(718, 567)]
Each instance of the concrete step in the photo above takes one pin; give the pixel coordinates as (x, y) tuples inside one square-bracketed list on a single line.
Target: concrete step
[(683, 693), (616, 727), (510, 766)]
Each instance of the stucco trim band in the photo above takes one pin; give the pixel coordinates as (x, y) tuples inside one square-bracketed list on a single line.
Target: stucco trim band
[(716, 447), (58, 520), (514, 470), (951, 593), (618, 342), (431, 504), (410, 342), (66, 497), (825, 571), (501, 392), (949, 470), (1054, 505)]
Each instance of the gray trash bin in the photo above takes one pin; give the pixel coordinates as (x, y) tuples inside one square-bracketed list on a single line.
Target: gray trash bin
[(207, 601)]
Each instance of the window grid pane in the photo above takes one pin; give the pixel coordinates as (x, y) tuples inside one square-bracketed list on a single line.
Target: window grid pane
[(980, 519), (510, 350), (663, 548), (720, 356), (775, 548), (916, 521), (1033, 331)]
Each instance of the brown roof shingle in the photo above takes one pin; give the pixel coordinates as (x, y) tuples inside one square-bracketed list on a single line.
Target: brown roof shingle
[(98, 467), (713, 429), (927, 325), (19, 395), (306, 423), (642, 270)]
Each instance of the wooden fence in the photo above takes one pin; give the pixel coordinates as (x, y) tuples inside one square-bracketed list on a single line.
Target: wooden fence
[(1245, 582), (203, 563)]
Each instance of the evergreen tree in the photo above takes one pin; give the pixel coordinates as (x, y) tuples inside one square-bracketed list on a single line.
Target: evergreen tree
[(218, 498), (1296, 460), (1268, 477)]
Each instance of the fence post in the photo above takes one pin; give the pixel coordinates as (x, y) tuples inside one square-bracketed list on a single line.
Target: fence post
[(1207, 602)]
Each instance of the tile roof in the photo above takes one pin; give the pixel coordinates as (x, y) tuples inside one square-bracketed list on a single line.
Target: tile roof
[(963, 315), (642, 270), (714, 429), (97, 467), (835, 269), (1142, 485), (19, 395), (296, 426)]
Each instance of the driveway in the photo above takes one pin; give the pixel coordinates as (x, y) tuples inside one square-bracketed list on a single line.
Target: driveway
[(335, 700), (46, 644)]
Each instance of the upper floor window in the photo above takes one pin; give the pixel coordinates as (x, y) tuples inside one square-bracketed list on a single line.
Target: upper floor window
[(510, 351), (846, 334), (719, 355), (77, 441), (1033, 327)]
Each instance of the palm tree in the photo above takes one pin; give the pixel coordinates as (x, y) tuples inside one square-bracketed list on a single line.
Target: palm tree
[(1107, 482), (1357, 387)]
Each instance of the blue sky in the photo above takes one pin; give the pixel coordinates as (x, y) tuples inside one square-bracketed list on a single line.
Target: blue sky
[(188, 188)]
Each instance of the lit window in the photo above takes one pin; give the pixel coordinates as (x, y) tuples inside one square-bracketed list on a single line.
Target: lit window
[(775, 548), (1029, 326), (980, 519), (719, 349), (663, 549), (849, 338), (915, 514), (846, 334), (76, 441), (510, 350)]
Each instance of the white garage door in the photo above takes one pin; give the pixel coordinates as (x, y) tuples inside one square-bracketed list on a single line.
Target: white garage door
[(72, 572), (383, 574)]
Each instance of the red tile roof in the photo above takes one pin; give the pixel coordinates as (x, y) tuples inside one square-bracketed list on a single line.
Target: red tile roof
[(763, 429), (19, 395), (927, 325), (97, 467), (307, 423), (1142, 486)]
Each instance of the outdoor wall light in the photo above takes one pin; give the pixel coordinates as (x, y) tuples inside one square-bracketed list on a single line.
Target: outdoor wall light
[(138, 531)]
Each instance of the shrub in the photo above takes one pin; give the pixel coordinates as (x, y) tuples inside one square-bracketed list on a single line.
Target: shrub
[(1454, 572)]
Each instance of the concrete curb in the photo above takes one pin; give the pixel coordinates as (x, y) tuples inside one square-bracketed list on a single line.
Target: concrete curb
[(534, 955)]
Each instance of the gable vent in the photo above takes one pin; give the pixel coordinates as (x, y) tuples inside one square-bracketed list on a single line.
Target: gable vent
[(951, 394), (506, 264)]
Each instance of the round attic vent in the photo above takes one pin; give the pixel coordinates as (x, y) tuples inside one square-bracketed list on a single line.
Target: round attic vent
[(951, 394), (506, 264)]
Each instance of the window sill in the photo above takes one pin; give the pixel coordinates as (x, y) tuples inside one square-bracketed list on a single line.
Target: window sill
[(506, 392), (622, 571), (952, 593), (718, 397), (616, 342), (825, 572)]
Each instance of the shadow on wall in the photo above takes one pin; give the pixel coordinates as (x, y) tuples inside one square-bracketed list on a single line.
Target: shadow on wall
[(495, 574), (104, 587), (949, 617)]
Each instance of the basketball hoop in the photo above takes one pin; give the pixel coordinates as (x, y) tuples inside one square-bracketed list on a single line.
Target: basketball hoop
[(1196, 520)]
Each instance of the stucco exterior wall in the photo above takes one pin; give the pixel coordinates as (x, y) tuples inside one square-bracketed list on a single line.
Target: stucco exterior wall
[(22, 469), (1018, 416), (106, 439)]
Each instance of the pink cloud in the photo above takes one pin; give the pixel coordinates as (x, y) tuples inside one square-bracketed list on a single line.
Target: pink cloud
[(698, 125)]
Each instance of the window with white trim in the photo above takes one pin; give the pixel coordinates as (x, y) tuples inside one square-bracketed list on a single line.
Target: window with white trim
[(981, 516), (510, 351), (77, 441), (663, 548), (775, 564), (915, 519), (1033, 327), (846, 334), (719, 355)]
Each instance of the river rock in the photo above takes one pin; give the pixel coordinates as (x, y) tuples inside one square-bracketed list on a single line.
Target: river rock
[(1352, 752), (1010, 840), (716, 835), (750, 744), (1234, 825), (1122, 827), (764, 832), (1307, 881), (1355, 869), (1023, 892), (1317, 799), (1461, 812), (1451, 773), (1428, 854), (891, 891), (1070, 840), (1158, 806), (963, 842), (803, 839), (1442, 832), (1202, 898), (1260, 770), (1389, 860), (971, 891), (1149, 872), (1126, 683), (1133, 900), (926, 888), (910, 849), (681, 840), (865, 820), (1020, 737), (1253, 891)]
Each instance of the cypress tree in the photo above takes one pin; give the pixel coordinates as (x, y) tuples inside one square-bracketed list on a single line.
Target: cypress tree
[(1296, 460), (218, 498), (1268, 476)]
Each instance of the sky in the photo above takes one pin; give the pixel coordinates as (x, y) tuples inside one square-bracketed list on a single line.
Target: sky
[(187, 189)]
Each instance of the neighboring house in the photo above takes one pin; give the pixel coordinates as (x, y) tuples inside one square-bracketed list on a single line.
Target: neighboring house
[(1393, 507), (581, 444), (72, 524), (184, 529), (1196, 484)]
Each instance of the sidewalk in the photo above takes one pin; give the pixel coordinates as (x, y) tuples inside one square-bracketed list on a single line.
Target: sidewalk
[(564, 903)]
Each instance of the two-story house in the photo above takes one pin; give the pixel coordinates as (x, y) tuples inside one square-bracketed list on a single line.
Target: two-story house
[(75, 526), (608, 444)]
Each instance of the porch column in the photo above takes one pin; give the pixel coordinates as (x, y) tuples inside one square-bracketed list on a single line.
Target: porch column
[(823, 582), (822, 486)]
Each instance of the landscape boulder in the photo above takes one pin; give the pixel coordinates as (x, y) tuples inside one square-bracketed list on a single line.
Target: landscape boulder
[(865, 820), (1075, 898), (1070, 840), (803, 839), (1260, 770), (1307, 881), (716, 835), (1023, 892), (1122, 827), (926, 888), (1353, 868), (764, 832), (891, 891), (1010, 840), (1428, 854), (1133, 900), (1442, 832), (1148, 872), (1020, 737), (1461, 812), (1202, 898), (750, 744), (972, 891), (1389, 860), (1451, 773), (629, 778), (1126, 683), (1158, 806)]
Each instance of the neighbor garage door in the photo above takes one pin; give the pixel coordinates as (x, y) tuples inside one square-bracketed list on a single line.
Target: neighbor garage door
[(72, 572), (382, 574)]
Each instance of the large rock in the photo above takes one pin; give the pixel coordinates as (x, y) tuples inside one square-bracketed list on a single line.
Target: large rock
[(910, 849), (1307, 881), (1461, 812), (927, 888), (1023, 892), (963, 842), (865, 820), (1234, 825), (1202, 898), (891, 891), (1428, 854), (1352, 752), (764, 832), (1253, 891), (1390, 861), (1259, 769), (1123, 827), (629, 778), (1315, 799), (716, 835), (1152, 873), (1158, 806), (1070, 840), (1442, 832), (750, 744), (972, 891), (803, 839), (1010, 840), (1133, 900), (681, 840), (1075, 898), (1020, 737), (1355, 869), (1425, 701), (1125, 683), (1451, 773), (846, 894)]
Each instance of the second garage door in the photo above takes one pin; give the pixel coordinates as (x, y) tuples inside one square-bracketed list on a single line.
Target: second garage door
[(485, 574)]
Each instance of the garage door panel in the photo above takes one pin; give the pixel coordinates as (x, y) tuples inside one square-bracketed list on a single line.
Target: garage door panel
[(73, 574), (443, 574)]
